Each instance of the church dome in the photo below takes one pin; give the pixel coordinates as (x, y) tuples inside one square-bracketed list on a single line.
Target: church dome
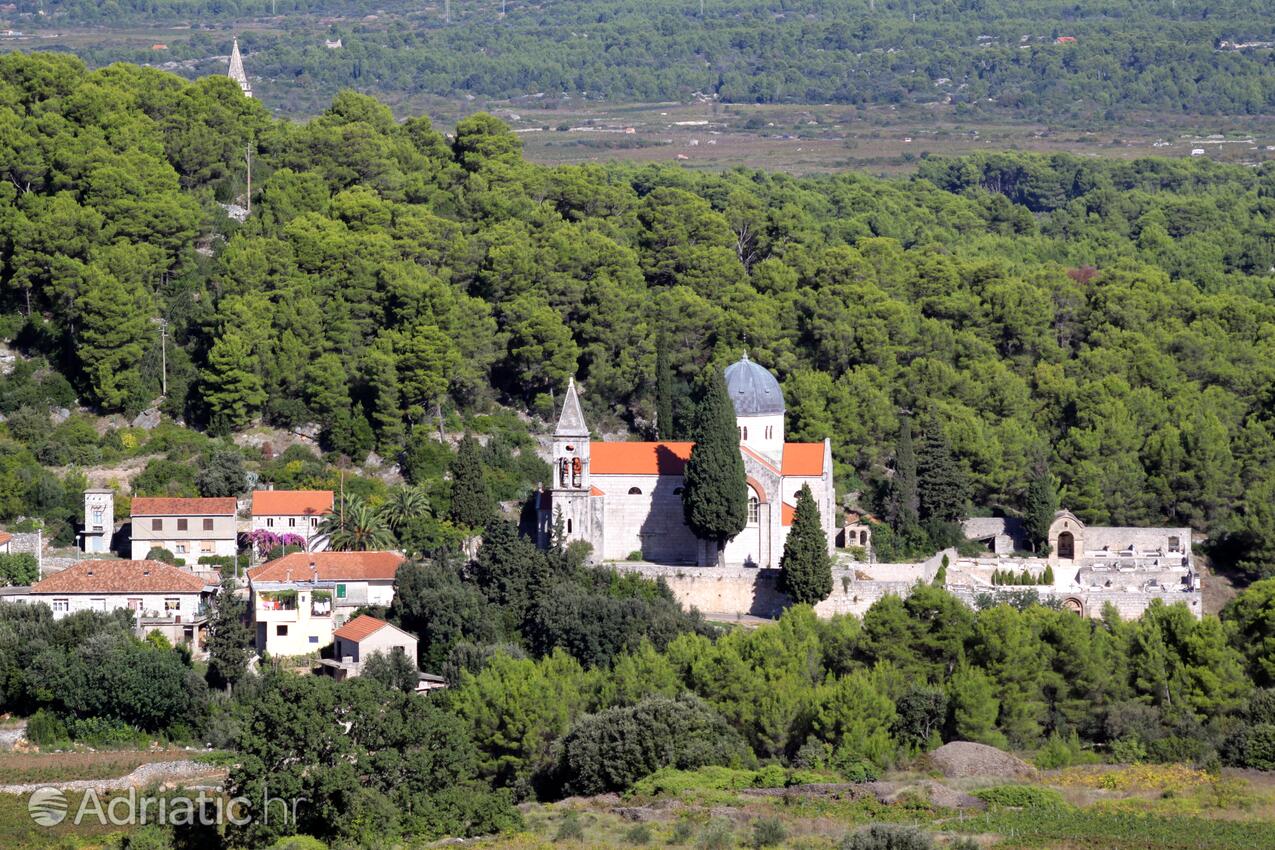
[(752, 389)]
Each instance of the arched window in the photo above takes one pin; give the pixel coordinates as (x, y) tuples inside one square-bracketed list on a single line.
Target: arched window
[(568, 526), (635, 491), (1066, 546), (745, 432), (754, 510)]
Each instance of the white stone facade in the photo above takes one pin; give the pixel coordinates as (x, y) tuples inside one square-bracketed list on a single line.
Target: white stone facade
[(625, 498)]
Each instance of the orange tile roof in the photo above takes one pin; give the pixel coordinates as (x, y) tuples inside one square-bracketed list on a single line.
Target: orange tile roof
[(5, 537), (594, 491), (331, 566), (120, 577), (803, 459), (666, 458), (146, 506), (291, 502), (787, 512), (359, 628)]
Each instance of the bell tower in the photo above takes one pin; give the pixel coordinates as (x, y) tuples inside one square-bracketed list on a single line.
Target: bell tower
[(571, 488)]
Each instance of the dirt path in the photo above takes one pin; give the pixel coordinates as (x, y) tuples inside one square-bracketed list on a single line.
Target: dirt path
[(147, 774)]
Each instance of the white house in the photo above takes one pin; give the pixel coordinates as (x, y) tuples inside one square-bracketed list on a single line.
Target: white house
[(299, 600), (360, 639), (99, 521), (162, 598), (298, 512), (189, 528)]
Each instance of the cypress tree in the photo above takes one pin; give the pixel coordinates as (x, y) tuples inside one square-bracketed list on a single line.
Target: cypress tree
[(805, 567), (942, 486), (1040, 505), (903, 513), (229, 640), (1048, 576), (471, 503), (715, 492), (663, 389)]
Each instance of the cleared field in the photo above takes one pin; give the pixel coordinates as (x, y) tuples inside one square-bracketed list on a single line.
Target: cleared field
[(24, 768)]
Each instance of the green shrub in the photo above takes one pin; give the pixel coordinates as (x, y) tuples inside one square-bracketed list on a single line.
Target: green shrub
[(159, 553), (885, 836), (671, 782), (570, 828), (682, 831), (298, 842), (1019, 796), (1128, 751), (18, 568), (149, 837), (107, 732), (718, 835), (1060, 752), (768, 832), (638, 835), (46, 729), (635, 555)]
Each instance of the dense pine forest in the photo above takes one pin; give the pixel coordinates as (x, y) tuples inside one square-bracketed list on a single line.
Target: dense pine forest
[(1111, 319), (1046, 57)]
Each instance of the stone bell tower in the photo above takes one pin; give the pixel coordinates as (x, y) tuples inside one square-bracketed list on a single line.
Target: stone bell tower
[(569, 491)]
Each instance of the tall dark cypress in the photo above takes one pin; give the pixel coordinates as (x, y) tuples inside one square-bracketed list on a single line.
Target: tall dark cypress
[(663, 389), (1040, 505), (805, 567), (942, 485), (715, 490), (904, 508), (471, 502)]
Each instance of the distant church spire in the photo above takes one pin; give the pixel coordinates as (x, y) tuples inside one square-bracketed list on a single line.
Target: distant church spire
[(236, 71), (571, 422)]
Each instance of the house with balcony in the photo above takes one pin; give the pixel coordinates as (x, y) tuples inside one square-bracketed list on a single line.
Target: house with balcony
[(300, 600), (189, 528), (161, 597), (293, 512), (360, 639)]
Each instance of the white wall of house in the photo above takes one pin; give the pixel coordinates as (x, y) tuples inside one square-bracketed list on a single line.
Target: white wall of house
[(185, 605), (291, 631), (384, 640), (186, 537)]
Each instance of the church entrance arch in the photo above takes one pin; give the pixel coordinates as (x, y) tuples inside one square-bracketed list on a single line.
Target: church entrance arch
[(1066, 546), (1074, 605)]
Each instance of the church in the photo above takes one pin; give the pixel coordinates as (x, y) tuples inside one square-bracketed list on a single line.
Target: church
[(625, 498)]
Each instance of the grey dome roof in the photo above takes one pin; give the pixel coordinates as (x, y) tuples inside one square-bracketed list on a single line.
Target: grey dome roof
[(752, 389)]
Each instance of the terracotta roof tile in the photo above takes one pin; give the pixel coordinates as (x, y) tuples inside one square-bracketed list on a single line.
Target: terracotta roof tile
[(120, 577), (291, 502), (666, 458), (803, 459), (5, 537), (359, 628), (147, 506), (787, 512), (331, 566), (594, 491)]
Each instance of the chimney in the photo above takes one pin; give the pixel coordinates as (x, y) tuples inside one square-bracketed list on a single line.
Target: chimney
[(288, 575), (314, 571)]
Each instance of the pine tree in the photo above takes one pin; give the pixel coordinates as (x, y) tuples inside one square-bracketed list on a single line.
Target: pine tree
[(904, 502), (805, 567), (471, 501), (663, 389), (942, 485), (232, 387), (1047, 577), (229, 640), (940, 576), (114, 324), (715, 492), (1040, 505)]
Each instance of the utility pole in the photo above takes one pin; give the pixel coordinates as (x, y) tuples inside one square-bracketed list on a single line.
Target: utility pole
[(163, 355), (247, 155)]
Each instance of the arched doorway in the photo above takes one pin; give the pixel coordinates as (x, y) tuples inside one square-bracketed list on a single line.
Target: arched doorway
[(1074, 605), (1066, 546)]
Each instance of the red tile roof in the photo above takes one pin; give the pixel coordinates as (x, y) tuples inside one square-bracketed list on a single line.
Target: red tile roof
[(665, 458), (120, 577), (291, 502), (668, 458), (331, 566), (5, 537), (594, 491), (146, 506), (787, 512), (803, 459), (360, 628)]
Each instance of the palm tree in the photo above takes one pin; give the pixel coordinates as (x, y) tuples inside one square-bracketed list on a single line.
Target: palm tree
[(352, 526), (404, 505)]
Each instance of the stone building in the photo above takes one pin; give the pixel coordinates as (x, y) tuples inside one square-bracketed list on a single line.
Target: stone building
[(625, 498)]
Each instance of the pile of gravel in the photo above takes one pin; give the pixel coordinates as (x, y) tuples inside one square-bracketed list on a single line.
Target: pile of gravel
[(965, 758)]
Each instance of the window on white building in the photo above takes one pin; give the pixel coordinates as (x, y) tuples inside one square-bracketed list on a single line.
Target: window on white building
[(635, 491), (61, 605), (172, 605), (292, 522), (179, 548), (281, 631), (206, 546), (269, 522), (754, 510)]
